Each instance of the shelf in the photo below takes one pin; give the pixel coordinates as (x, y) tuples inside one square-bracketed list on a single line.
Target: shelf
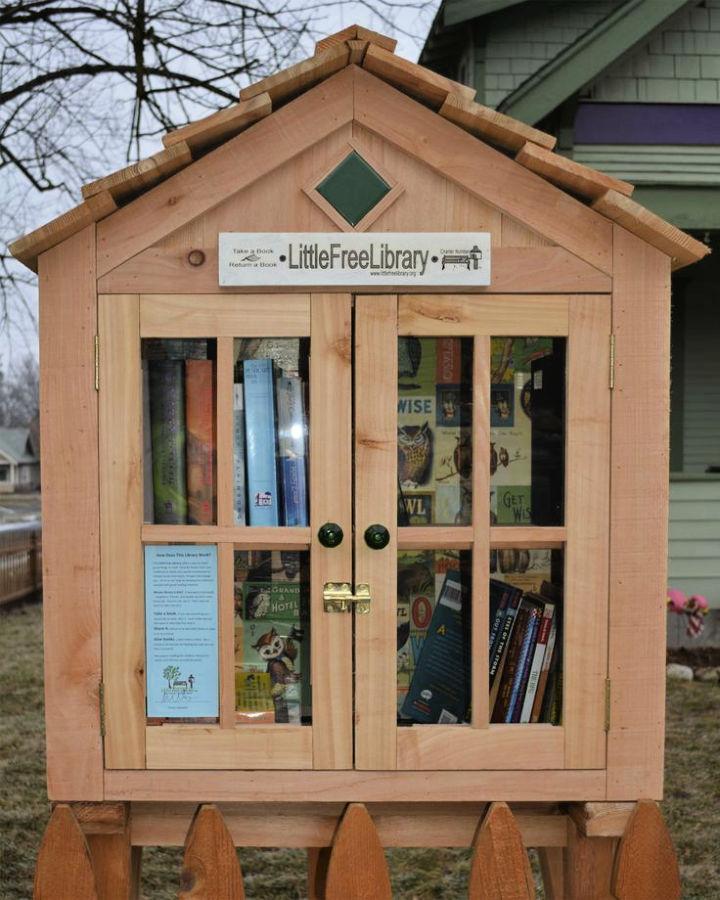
[(270, 538)]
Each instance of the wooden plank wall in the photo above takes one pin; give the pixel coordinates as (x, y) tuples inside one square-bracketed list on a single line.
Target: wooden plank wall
[(71, 518)]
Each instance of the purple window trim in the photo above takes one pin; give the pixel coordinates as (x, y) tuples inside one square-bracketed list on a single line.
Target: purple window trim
[(647, 123)]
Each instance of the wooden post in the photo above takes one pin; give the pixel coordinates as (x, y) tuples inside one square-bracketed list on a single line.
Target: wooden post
[(646, 867), (210, 866), (318, 858), (500, 866), (115, 862), (64, 869), (588, 865), (552, 866), (356, 866)]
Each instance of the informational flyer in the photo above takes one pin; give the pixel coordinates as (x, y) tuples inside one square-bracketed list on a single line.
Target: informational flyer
[(181, 626)]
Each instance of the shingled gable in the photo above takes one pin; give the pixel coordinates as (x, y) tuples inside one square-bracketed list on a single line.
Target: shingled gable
[(367, 83)]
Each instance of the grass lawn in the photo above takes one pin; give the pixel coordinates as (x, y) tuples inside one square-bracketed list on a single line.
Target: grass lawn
[(692, 804)]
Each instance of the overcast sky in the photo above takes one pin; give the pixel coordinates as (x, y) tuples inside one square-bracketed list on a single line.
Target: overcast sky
[(411, 27)]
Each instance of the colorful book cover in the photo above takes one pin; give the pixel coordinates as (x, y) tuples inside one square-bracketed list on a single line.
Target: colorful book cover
[(272, 631), (537, 660), (167, 427), (421, 574), (525, 661), (200, 440), (260, 440), (523, 568), (253, 697), (440, 687), (292, 449), (434, 457), (238, 455), (511, 464)]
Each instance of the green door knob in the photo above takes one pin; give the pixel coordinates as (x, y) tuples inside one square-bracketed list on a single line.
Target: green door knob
[(330, 534), (377, 537)]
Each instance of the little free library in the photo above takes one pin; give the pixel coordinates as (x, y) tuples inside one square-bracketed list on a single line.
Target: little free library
[(368, 546)]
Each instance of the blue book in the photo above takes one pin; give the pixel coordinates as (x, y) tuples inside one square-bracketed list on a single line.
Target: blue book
[(260, 437), (526, 648), (291, 448)]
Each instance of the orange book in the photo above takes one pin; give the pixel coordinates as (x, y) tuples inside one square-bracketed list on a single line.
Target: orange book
[(200, 445)]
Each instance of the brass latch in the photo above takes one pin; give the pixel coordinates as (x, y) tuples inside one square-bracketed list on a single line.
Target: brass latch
[(338, 597)]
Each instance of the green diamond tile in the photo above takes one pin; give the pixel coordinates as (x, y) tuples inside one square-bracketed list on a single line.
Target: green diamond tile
[(353, 188)]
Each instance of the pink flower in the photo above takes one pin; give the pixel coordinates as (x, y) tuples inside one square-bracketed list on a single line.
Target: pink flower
[(698, 603), (677, 601)]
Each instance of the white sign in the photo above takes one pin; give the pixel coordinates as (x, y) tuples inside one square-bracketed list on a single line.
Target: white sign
[(393, 259)]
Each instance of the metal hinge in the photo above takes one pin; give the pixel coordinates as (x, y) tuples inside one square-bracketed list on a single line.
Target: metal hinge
[(612, 361), (101, 698), (97, 362), (608, 685)]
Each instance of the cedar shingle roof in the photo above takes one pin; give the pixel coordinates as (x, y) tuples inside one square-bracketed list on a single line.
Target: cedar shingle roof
[(356, 45)]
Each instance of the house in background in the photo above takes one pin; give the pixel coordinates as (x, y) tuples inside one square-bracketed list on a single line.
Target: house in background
[(630, 87), (19, 461)]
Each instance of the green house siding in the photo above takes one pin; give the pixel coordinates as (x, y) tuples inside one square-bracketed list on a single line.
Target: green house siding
[(679, 64), (694, 539)]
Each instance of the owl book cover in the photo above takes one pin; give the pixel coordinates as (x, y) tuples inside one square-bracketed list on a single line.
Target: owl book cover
[(272, 627), (434, 403)]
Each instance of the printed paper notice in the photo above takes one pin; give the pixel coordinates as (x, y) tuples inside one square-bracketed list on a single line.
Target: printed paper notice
[(181, 625)]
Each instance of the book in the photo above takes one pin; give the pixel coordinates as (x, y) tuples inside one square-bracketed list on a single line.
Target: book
[(421, 574), (291, 449), (148, 500), (512, 657), (238, 455), (253, 697), (200, 440), (167, 429), (544, 673), (499, 653), (525, 660), (440, 688), (272, 626), (499, 594), (537, 661), (260, 440)]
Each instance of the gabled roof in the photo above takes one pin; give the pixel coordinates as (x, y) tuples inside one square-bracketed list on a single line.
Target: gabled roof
[(16, 445), (374, 53)]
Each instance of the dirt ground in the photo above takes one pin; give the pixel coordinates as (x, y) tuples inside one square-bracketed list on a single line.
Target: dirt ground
[(692, 804)]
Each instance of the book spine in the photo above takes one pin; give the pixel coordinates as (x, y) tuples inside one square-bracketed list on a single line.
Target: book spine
[(238, 455), (260, 438), (544, 673), (148, 500), (537, 662), (523, 671), (291, 447), (167, 426), (510, 666), (199, 417), (497, 662), (497, 622)]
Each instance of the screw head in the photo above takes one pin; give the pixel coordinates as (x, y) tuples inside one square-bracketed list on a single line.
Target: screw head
[(330, 534), (377, 537)]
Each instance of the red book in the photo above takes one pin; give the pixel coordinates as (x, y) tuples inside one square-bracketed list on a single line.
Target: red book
[(200, 446)]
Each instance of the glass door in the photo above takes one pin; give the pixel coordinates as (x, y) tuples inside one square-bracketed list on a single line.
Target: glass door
[(482, 487), (225, 423)]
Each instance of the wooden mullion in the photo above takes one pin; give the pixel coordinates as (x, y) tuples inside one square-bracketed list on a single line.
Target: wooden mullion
[(226, 620), (244, 537), (540, 536), (435, 537), (481, 531)]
